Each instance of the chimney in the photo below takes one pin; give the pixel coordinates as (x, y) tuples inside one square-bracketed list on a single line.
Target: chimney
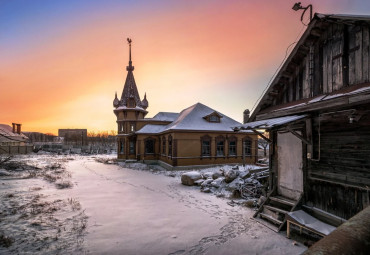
[(245, 116), (19, 128), (13, 127)]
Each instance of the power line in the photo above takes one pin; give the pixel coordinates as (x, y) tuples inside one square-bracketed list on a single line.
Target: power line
[(282, 62)]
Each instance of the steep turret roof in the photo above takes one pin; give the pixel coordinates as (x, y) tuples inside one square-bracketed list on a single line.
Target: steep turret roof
[(130, 90)]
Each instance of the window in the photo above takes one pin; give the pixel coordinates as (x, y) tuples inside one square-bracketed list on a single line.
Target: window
[(132, 147), (164, 145), (232, 148), (220, 148), (121, 125), (205, 142), (248, 147), (132, 127), (131, 102), (122, 146), (214, 118), (149, 146), (206, 148), (170, 146)]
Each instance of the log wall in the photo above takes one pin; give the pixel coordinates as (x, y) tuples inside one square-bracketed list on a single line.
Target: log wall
[(339, 177)]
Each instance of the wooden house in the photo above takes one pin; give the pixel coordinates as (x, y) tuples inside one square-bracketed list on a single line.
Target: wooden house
[(13, 141), (317, 112), (197, 136)]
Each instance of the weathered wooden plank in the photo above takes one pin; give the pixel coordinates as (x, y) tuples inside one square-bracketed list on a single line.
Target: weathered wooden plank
[(306, 79), (351, 57), (325, 69), (365, 53), (358, 55), (329, 59)]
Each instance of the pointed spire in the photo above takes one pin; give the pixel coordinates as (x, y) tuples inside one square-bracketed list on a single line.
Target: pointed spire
[(129, 67), (144, 103), (130, 92), (116, 101)]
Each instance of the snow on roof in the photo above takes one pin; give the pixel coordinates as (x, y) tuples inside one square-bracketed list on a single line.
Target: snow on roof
[(6, 134), (344, 16), (192, 118), (166, 116), (269, 123), (123, 107), (347, 91), (151, 129)]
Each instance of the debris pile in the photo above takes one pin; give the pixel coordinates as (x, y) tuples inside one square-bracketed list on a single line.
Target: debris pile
[(233, 183)]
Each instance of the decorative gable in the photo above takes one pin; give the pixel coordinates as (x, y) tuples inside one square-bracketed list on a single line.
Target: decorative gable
[(213, 117)]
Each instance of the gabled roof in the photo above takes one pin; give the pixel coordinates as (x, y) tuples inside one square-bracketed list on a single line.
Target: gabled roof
[(130, 89), (7, 135), (314, 24), (166, 116), (151, 129), (192, 118)]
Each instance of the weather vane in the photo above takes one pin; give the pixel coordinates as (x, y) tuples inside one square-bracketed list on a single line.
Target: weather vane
[(129, 41)]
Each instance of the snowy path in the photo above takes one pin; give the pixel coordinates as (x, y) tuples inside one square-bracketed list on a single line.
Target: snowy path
[(137, 212)]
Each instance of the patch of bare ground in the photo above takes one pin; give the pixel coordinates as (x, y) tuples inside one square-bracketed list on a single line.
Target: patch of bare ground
[(30, 221)]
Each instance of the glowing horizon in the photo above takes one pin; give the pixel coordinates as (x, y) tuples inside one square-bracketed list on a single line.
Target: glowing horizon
[(63, 61)]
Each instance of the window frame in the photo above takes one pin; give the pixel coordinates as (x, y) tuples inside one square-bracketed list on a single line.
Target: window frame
[(164, 145), (146, 143), (122, 146), (220, 146), (230, 140), (204, 139), (169, 153), (248, 148), (132, 150)]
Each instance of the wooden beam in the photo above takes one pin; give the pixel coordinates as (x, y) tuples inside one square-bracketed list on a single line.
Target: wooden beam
[(261, 135), (298, 135), (309, 138)]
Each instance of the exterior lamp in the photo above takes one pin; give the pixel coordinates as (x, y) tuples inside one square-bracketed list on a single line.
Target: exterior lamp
[(298, 6)]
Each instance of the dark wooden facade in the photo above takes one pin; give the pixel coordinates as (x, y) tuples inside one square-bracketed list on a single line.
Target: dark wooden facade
[(326, 80)]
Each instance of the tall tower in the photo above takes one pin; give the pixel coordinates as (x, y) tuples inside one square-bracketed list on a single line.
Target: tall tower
[(129, 111)]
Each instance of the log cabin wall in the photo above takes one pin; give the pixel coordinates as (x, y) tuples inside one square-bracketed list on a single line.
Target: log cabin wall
[(335, 56), (339, 175)]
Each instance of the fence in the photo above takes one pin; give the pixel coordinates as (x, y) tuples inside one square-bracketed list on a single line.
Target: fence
[(16, 149)]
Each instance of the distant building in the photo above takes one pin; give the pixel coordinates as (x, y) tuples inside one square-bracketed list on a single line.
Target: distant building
[(198, 135), (12, 140), (74, 136)]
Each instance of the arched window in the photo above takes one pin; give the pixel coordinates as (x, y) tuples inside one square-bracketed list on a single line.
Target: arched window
[(232, 146), (220, 146), (122, 146), (131, 102), (149, 145), (205, 146), (132, 145), (247, 144), (163, 145), (170, 146)]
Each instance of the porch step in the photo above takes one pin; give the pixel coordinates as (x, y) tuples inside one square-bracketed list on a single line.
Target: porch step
[(283, 200), (270, 218), (275, 209), (267, 224)]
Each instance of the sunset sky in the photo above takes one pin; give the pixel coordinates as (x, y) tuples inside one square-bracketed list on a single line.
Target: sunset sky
[(62, 61)]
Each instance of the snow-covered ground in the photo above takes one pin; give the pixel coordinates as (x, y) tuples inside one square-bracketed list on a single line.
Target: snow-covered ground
[(110, 209)]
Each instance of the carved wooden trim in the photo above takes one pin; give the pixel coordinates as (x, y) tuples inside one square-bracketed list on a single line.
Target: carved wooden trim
[(205, 138)]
